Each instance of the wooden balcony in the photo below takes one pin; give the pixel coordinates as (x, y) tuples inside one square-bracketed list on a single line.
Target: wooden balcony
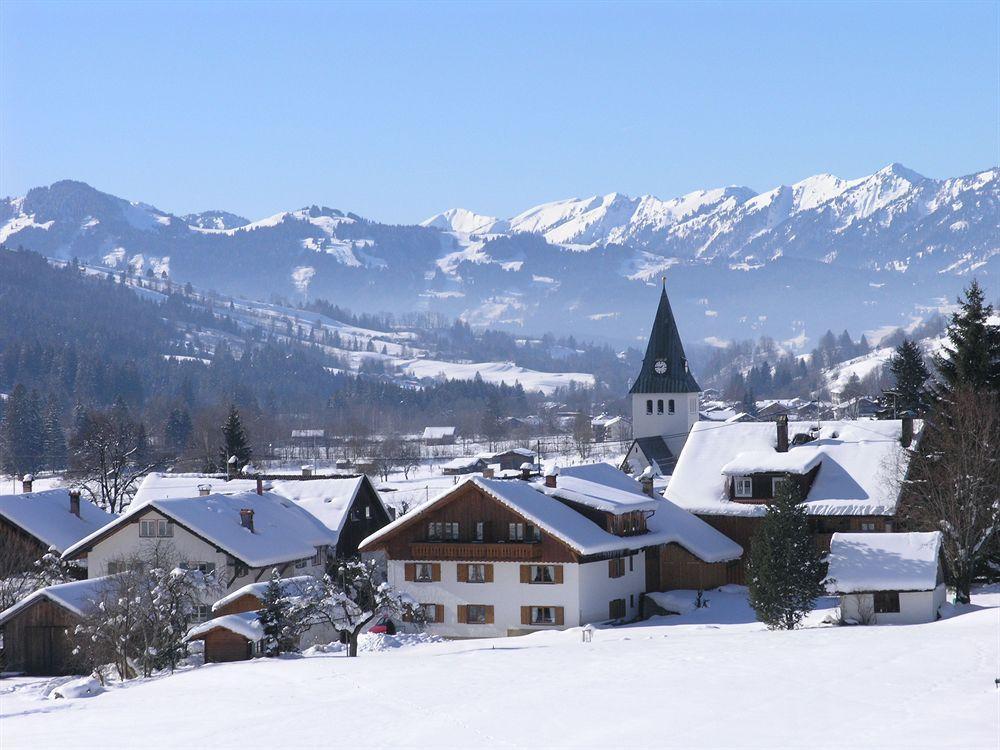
[(491, 551)]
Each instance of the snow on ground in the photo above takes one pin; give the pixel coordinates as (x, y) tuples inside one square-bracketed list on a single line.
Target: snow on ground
[(710, 678), (496, 372)]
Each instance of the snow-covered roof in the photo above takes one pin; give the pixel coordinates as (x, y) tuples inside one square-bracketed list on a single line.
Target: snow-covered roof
[(579, 532), (884, 562), (283, 530), (46, 516), (600, 486), (519, 451), (793, 461), (462, 462), (157, 486), (76, 596), (246, 624), (861, 466), (308, 433), (288, 586), (438, 433)]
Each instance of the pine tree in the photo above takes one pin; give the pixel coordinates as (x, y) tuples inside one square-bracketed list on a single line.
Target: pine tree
[(273, 618), (178, 429), (971, 357), (54, 438), (22, 448), (234, 440), (908, 368), (785, 571)]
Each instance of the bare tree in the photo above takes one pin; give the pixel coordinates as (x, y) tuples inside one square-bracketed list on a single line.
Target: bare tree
[(583, 435), (409, 457), (954, 479), (108, 457)]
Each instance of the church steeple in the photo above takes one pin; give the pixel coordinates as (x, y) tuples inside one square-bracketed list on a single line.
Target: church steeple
[(664, 367)]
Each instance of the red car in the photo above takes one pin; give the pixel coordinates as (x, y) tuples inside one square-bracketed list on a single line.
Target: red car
[(384, 626)]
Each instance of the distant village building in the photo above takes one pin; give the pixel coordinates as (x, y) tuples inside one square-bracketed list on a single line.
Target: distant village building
[(887, 578), (464, 465), (664, 397), (511, 460), (611, 429), (440, 435)]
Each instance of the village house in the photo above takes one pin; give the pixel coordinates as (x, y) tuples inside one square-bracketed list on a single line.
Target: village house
[(850, 474), (887, 578), (440, 435), (610, 428), (464, 465), (493, 557)]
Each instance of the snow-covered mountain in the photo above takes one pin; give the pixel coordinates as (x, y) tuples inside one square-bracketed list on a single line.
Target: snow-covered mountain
[(790, 262)]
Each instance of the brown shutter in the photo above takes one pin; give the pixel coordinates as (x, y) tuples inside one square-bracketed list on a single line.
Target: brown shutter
[(525, 574), (463, 572), (462, 616), (489, 614), (525, 615), (559, 615), (559, 574), (435, 571), (438, 613), (489, 573), (612, 573), (410, 571)]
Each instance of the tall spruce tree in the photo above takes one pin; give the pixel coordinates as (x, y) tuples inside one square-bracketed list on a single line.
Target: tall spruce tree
[(234, 440), (785, 571), (54, 438), (177, 432), (971, 357), (22, 446), (273, 617), (910, 373)]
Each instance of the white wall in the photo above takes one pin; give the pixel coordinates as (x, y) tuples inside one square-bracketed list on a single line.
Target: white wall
[(598, 589), (506, 593), (679, 423), (914, 607)]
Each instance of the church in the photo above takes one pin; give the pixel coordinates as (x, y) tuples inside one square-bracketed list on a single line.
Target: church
[(664, 398)]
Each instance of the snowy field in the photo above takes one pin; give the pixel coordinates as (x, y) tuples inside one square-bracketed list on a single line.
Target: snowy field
[(708, 679)]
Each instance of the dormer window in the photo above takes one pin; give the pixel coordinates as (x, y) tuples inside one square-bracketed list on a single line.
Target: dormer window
[(743, 486)]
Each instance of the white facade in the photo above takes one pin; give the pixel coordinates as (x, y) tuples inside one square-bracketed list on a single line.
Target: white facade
[(652, 416), (585, 595), (914, 607)]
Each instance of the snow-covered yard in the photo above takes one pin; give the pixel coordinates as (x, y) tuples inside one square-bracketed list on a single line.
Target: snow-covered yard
[(709, 678)]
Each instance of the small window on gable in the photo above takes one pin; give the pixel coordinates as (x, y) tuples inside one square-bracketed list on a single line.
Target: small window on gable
[(515, 532), (659, 406), (368, 511), (480, 530), (649, 406), (743, 487), (670, 406)]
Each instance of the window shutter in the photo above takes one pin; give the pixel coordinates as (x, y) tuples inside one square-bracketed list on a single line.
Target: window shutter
[(525, 574), (435, 571), (489, 573), (438, 613), (489, 614), (410, 571), (559, 575), (462, 616), (525, 615), (559, 615), (463, 572)]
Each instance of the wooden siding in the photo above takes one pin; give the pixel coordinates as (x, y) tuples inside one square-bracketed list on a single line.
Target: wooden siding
[(358, 526), (225, 645), (38, 640), (245, 603), (679, 569), (467, 506)]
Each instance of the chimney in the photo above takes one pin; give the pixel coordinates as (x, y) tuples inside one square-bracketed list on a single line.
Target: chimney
[(906, 436), (260, 485), (488, 472), (782, 424), (204, 489), (74, 502), (307, 471), (526, 471), (26, 482), (646, 480), (246, 519), (551, 476)]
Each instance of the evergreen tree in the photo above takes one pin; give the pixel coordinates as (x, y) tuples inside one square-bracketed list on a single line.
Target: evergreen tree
[(971, 357), (273, 617), (177, 432), (53, 438), (785, 571), (853, 388), (22, 448), (234, 440), (910, 373)]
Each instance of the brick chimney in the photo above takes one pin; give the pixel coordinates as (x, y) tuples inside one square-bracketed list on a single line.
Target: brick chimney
[(26, 482), (906, 435), (74, 502), (246, 518), (260, 485), (526, 471), (552, 476), (782, 425), (204, 489)]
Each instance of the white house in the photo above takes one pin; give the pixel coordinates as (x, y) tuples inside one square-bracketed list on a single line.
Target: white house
[(887, 578)]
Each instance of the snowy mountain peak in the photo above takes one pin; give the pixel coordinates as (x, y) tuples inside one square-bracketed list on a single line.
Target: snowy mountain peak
[(461, 220)]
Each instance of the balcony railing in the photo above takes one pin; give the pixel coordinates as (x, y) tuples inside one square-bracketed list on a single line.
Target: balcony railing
[(475, 551)]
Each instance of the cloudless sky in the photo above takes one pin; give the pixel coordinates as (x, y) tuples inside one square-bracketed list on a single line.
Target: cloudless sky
[(398, 111)]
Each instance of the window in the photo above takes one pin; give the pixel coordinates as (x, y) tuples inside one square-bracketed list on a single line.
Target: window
[(475, 614), (203, 567), (368, 512), (115, 567), (240, 570), (659, 406), (776, 484), (743, 487), (477, 573), (692, 405), (301, 564), (616, 609), (670, 406), (480, 530), (435, 531), (649, 406), (631, 601), (429, 612), (868, 526), (202, 613), (886, 602), (515, 532), (543, 616), (543, 573), (156, 528), (888, 527), (424, 572), (317, 559), (616, 567), (451, 532)]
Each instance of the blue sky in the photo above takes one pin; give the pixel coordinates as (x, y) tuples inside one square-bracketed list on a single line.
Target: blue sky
[(397, 111)]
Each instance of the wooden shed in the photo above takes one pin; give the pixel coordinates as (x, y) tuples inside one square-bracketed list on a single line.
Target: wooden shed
[(234, 637)]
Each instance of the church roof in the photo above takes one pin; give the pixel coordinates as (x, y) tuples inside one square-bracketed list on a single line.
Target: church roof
[(665, 344)]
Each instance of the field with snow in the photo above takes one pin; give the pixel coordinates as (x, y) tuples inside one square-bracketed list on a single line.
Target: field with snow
[(709, 678)]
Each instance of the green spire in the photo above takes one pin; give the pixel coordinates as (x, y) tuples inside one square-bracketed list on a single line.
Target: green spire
[(664, 347)]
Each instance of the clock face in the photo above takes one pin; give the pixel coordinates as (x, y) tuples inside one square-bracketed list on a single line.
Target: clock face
[(660, 366)]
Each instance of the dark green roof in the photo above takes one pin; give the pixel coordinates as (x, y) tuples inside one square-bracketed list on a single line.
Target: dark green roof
[(665, 344)]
